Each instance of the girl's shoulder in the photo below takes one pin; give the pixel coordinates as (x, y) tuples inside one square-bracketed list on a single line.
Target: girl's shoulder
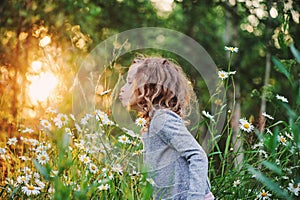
[(163, 116), (165, 113)]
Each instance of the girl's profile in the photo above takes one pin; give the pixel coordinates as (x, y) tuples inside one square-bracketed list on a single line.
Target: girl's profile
[(177, 164)]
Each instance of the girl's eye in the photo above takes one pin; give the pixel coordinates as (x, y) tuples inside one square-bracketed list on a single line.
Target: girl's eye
[(129, 82)]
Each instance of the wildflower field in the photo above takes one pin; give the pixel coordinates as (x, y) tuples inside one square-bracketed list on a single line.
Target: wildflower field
[(61, 67), (64, 159)]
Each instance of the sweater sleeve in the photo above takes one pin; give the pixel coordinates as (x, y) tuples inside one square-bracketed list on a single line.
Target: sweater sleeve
[(171, 129)]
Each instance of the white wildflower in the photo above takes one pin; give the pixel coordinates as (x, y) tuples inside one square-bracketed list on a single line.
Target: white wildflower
[(43, 157), (222, 74), (246, 126), (45, 124), (140, 121), (232, 49), (12, 141), (281, 98), (267, 116), (208, 115), (124, 139), (28, 130), (60, 120), (103, 187), (31, 190)]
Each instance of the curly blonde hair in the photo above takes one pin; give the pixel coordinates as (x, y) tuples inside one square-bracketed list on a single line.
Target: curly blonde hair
[(161, 83)]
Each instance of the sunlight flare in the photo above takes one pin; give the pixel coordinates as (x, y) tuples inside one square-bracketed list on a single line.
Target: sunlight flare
[(41, 86)]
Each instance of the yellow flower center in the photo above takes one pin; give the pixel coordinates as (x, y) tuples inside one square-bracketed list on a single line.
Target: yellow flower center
[(30, 187), (28, 171), (43, 157), (222, 75), (85, 159), (93, 167), (282, 139), (231, 48), (263, 194), (295, 185), (246, 125), (63, 119)]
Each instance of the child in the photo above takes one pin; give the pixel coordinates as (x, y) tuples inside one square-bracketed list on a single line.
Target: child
[(160, 91)]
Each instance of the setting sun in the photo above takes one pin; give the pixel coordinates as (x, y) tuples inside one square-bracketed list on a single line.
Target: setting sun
[(41, 86)]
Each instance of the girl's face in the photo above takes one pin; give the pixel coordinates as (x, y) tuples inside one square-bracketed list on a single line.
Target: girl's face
[(127, 95)]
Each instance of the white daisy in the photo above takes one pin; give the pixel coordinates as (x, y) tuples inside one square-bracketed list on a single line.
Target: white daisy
[(68, 131), (140, 121), (107, 121), (2, 151), (40, 183), (264, 195), (103, 187), (232, 49), (260, 144), (294, 187), (85, 119), (282, 139), (28, 130), (41, 148), (85, 159), (51, 110), (208, 115), (33, 142), (281, 98), (117, 168), (12, 141), (246, 126), (31, 190), (27, 171), (124, 139), (236, 183), (100, 116), (36, 175), (267, 116), (43, 157), (45, 124), (23, 179), (222, 74), (93, 168), (60, 120)]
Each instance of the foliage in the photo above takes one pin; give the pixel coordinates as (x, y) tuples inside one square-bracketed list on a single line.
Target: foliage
[(68, 160), (271, 157)]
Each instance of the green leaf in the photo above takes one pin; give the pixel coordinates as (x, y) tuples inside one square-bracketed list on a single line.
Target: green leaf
[(282, 69), (271, 166), (65, 141), (41, 169), (269, 183), (295, 52)]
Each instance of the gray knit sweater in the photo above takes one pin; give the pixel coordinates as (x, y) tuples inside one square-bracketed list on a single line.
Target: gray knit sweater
[(174, 159)]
